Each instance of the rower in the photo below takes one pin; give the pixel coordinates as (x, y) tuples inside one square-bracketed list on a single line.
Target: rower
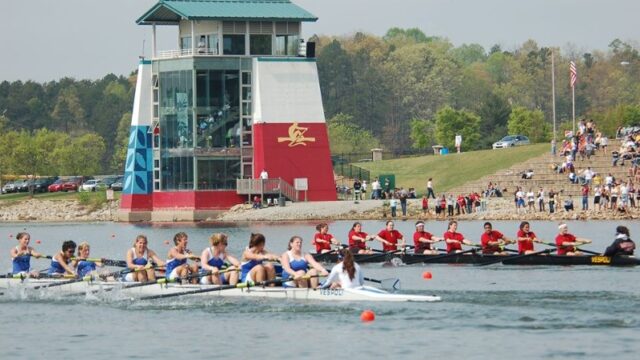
[(61, 263), (526, 238), (566, 243), (83, 266), (389, 238), (346, 274), (21, 256), (295, 264), (493, 241), (214, 258), (177, 266), (252, 266), (358, 239), (423, 240), (138, 261), (323, 240), (622, 245), (454, 239)]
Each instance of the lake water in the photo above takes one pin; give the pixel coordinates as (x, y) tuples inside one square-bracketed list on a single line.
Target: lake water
[(497, 311)]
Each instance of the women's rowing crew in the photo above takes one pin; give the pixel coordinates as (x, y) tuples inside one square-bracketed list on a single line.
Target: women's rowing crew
[(21, 256)]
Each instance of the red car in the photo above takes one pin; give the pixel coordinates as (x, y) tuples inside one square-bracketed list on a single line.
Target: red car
[(56, 186), (72, 184)]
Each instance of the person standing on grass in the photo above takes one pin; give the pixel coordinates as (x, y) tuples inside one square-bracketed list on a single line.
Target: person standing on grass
[(430, 192), (458, 142)]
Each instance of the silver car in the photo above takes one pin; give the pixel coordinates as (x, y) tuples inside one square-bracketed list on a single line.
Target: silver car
[(510, 141)]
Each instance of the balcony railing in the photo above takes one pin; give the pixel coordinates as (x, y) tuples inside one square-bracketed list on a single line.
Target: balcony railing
[(266, 187)]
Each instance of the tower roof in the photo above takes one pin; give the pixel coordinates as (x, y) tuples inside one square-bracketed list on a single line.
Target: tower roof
[(170, 12)]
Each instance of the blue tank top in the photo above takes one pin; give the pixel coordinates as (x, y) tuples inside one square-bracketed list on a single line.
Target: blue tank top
[(246, 267), (56, 268), (142, 260), (21, 263), (215, 261), (295, 264), (85, 267), (172, 264)]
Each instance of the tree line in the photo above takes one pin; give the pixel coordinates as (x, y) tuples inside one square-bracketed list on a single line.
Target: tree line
[(409, 91)]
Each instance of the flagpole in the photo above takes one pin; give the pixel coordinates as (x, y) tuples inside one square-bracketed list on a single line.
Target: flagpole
[(573, 98), (553, 95)]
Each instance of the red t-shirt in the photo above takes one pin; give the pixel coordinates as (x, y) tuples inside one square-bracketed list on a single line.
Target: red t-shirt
[(425, 203), (494, 235), (322, 245), (525, 245), (357, 244), (392, 237), (420, 246), (562, 250), (454, 236)]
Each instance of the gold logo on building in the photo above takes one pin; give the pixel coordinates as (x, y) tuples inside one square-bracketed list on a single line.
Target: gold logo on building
[(296, 136)]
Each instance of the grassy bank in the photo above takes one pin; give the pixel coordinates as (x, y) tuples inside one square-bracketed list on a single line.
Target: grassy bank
[(452, 170), (86, 198)]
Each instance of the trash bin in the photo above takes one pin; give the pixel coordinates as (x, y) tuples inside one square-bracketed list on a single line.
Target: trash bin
[(282, 201), (444, 151)]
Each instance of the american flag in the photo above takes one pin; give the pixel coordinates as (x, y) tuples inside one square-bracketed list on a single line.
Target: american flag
[(574, 73)]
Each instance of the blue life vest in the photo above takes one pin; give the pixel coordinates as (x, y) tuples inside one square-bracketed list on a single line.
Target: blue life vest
[(295, 265), (142, 260), (56, 268), (85, 267), (22, 263), (172, 264)]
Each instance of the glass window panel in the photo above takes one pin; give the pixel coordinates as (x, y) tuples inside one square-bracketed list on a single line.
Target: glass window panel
[(246, 93), (218, 173), (260, 45), (233, 44), (177, 173), (246, 78)]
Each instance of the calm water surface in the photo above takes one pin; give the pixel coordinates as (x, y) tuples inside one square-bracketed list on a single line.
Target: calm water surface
[(499, 312)]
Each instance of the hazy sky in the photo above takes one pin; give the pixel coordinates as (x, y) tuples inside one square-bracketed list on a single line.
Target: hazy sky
[(45, 39)]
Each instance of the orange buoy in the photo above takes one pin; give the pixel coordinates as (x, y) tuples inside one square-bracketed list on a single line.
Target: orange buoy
[(367, 316), (113, 235), (427, 275)]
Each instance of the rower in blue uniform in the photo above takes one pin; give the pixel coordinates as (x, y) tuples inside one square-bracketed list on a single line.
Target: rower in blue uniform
[(138, 261), (295, 265), (21, 256), (214, 258), (252, 267), (85, 267), (176, 265), (61, 263)]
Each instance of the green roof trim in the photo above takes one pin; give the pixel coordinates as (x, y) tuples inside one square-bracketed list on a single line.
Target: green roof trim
[(170, 12)]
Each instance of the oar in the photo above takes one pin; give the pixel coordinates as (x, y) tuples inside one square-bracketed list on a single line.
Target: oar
[(76, 280), (577, 248), (223, 287), (387, 284), (382, 254), (438, 257), (175, 280), (107, 262), (511, 258)]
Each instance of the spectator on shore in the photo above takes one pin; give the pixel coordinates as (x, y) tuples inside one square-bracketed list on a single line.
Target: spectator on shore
[(541, 205), (528, 175), (568, 204), (430, 192), (357, 188), (597, 195), (376, 189), (450, 202), (585, 197), (425, 205), (393, 204), (552, 201), (403, 200)]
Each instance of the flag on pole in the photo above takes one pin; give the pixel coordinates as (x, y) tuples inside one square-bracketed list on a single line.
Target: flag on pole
[(574, 73)]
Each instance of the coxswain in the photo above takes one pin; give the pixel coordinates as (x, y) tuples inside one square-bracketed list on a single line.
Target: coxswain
[(323, 240), (62, 263), (296, 264), (390, 237), (358, 240), (566, 243), (423, 240), (21, 256), (177, 265), (526, 238), (253, 268), (83, 266), (139, 259), (346, 274), (215, 258), (454, 239), (493, 241), (622, 245)]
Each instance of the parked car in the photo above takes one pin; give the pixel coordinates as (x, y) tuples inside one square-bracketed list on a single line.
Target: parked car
[(108, 181), (22, 185), (56, 186), (510, 141), (117, 185), (72, 184), (42, 185), (9, 188), (93, 185)]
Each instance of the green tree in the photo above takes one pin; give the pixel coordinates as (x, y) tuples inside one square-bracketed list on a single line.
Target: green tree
[(422, 134), (121, 143), (346, 138), (450, 122), (530, 123)]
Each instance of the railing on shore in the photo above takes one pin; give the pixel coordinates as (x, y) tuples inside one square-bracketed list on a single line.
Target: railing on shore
[(266, 187)]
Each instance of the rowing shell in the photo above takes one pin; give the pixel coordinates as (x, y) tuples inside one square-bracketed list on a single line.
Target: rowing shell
[(363, 293), (480, 258)]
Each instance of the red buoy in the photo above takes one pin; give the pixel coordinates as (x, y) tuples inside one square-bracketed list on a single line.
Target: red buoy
[(38, 241), (427, 275), (166, 242), (367, 316)]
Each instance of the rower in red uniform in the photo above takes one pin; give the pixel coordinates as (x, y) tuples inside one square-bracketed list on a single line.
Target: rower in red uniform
[(526, 238), (422, 240), (492, 241), (454, 239), (323, 240), (358, 239), (389, 238), (566, 243)]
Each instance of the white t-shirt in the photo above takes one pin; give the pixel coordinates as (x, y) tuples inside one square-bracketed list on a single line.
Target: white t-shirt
[(458, 140), (339, 276), (264, 175)]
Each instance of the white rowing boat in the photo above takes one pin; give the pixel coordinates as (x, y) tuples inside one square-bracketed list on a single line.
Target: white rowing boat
[(53, 287)]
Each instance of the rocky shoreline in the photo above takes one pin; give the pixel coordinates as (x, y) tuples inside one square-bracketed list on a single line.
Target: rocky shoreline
[(35, 210)]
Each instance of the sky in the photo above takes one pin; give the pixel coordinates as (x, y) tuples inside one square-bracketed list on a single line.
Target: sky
[(46, 40)]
